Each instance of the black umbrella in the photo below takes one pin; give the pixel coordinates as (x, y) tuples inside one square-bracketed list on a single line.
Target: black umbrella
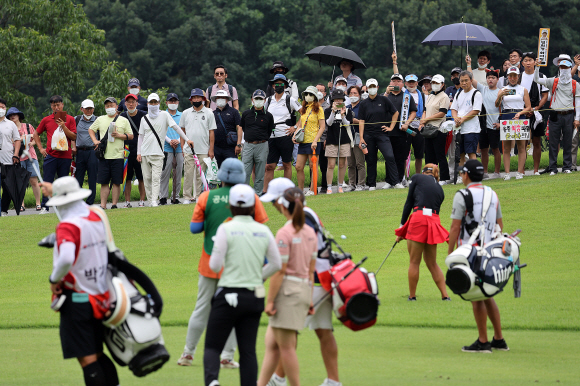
[(462, 34), (15, 184), (333, 55)]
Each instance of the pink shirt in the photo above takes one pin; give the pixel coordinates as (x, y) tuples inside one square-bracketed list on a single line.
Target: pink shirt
[(297, 249), (26, 128)]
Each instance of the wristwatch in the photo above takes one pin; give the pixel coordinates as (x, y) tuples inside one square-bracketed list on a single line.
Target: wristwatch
[(239, 145)]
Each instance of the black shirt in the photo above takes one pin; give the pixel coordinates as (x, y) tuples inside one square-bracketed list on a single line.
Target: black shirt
[(379, 109), (132, 143), (257, 125), (141, 104), (397, 101), (424, 192), (333, 131), (231, 120)]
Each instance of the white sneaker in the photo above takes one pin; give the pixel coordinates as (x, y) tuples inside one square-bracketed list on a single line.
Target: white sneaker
[(387, 186), (553, 173), (4, 214), (537, 174), (275, 380), (507, 177), (359, 188), (214, 383), (519, 176), (154, 204), (136, 182), (399, 186), (459, 181), (567, 171), (141, 203), (485, 176), (496, 175), (442, 183), (229, 364), (327, 382), (329, 190), (127, 205), (372, 188), (43, 211), (344, 185), (185, 360), (309, 193), (186, 202)]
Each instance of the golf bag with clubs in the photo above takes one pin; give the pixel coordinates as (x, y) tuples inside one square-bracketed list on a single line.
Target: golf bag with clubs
[(354, 290), (481, 272)]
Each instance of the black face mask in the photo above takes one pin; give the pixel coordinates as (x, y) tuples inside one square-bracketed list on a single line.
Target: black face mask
[(455, 81), (196, 104), (279, 89)]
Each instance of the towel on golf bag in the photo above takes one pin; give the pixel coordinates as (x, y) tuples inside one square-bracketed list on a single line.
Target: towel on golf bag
[(354, 300), (137, 341), (477, 273)]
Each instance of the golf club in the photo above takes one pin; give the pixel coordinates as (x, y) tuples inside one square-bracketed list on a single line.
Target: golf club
[(381, 266), (335, 285), (27, 154)]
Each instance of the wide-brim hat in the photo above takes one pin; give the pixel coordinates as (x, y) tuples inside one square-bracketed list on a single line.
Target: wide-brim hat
[(425, 78), (312, 90), (557, 60), (221, 94), (279, 64), (66, 190), (232, 171), (14, 110), (278, 77)]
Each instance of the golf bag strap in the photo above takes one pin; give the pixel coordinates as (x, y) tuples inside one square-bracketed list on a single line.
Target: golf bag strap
[(487, 195), (111, 247), (154, 132)]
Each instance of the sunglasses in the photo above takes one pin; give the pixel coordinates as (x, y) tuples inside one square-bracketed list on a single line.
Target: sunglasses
[(278, 84), (531, 53), (220, 73), (307, 93)]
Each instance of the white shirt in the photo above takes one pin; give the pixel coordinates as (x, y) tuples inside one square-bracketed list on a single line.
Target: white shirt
[(149, 145), (197, 125), (8, 134), (527, 80), (279, 111), (462, 104), (489, 98), (514, 102), (479, 75)]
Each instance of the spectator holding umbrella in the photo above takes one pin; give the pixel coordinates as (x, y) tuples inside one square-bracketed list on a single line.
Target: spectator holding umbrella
[(483, 60), (423, 229), (356, 161), (338, 142), (26, 131), (515, 103), (10, 146), (347, 68)]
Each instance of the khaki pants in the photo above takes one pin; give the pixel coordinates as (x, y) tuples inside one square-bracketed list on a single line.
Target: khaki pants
[(152, 166), (192, 185), (356, 162)]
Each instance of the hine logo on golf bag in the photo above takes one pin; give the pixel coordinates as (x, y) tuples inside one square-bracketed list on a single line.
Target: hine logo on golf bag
[(502, 274)]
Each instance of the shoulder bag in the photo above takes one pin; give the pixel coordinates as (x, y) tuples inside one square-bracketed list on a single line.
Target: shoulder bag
[(102, 146), (299, 134), (158, 140), (231, 137)]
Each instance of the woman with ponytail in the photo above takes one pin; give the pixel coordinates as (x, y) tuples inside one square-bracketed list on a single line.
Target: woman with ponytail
[(423, 229), (290, 293)]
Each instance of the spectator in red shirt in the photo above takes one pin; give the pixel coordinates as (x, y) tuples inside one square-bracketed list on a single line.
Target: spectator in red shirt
[(56, 162)]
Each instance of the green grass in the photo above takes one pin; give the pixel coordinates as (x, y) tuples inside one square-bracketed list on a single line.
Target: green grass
[(412, 342)]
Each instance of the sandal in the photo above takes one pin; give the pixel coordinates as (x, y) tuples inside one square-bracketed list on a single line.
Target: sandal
[(22, 208), (38, 207)]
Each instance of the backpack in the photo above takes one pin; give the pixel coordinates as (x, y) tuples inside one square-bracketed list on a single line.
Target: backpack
[(292, 118), (482, 116), (230, 89)]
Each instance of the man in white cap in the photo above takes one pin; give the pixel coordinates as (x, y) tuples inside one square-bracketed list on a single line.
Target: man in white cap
[(565, 114), (86, 159), (79, 277), (152, 129)]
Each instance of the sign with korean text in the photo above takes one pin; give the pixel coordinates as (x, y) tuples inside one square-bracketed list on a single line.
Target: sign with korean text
[(543, 44), (514, 129)]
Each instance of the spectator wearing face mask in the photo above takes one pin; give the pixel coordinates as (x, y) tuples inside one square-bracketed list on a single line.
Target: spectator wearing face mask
[(565, 116), (322, 160), (340, 83), (220, 73), (356, 161), (483, 60), (292, 89), (324, 101), (86, 159), (350, 78), (173, 156), (134, 86), (111, 166), (227, 120), (452, 90), (338, 119), (425, 84)]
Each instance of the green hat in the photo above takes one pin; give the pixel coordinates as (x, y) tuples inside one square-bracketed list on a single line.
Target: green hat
[(312, 90)]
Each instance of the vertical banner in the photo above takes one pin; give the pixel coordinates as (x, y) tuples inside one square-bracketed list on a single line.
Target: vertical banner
[(394, 41), (543, 44)]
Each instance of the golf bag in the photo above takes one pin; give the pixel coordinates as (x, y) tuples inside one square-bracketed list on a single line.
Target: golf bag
[(354, 298)]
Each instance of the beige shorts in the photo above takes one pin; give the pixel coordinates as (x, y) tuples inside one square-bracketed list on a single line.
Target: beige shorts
[(291, 304), (332, 150), (322, 318)]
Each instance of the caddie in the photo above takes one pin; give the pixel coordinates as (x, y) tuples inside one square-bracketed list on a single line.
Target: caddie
[(472, 175), (80, 276)]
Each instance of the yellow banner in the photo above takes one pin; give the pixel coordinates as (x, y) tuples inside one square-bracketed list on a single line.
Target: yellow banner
[(543, 44)]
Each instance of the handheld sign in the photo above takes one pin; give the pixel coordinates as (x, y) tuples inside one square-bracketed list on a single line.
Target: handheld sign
[(394, 41), (543, 44), (514, 129)]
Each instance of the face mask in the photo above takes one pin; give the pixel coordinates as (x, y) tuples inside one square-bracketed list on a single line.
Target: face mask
[(565, 75), (455, 81), (258, 103), (365, 95), (111, 111), (435, 87), (309, 98), (134, 91), (373, 91), (153, 110), (343, 88), (279, 89), (132, 111), (172, 106), (196, 104), (482, 66), (221, 103), (354, 99), (516, 65), (2, 112), (411, 89), (88, 117)]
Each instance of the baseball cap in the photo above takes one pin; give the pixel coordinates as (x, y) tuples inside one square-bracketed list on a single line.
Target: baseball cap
[(397, 76), (131, 96), (232, 171), (242, 196), (153, 96), (340, 78), (171, 95), (456, 69), (411, 78), (372, 82), (438, 78), (87, 103), (474, 169), (259, 94), (513, 70), (337, 94), (111, 99), (133, 82), (276, 188), (196, 92)]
